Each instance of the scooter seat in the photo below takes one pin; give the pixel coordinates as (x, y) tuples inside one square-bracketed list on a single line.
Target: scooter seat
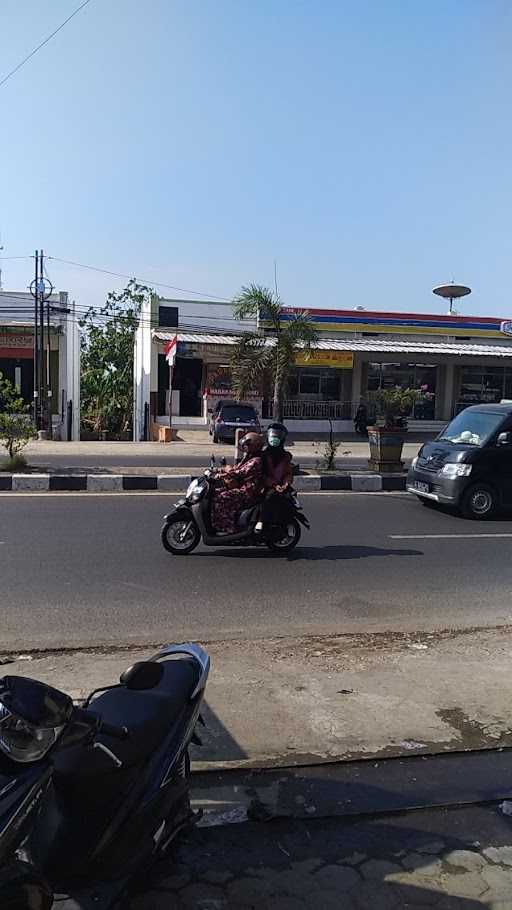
[(149, 715)]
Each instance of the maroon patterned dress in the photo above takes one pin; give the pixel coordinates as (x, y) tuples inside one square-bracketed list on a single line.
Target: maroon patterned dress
[(227, 504)]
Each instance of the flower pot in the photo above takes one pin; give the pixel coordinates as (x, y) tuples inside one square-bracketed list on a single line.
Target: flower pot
[(386, 445)]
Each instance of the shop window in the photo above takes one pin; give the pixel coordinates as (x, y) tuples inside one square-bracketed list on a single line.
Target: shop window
[(293, 386), (330, 386), (420, 376), (507, 388), (309, 384), (323, 384), (482, 385)]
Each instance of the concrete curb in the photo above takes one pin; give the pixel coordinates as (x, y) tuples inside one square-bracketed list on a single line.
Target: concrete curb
[(176, 483)]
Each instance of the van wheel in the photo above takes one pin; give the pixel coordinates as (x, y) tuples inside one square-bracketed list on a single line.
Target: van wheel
[(479, 502)]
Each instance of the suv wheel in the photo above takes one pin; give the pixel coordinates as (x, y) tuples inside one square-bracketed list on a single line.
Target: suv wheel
[(479, 502)]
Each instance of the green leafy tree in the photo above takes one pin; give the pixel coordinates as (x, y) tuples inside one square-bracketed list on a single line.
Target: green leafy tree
[(255, 362), (107, 344), (16, 427)]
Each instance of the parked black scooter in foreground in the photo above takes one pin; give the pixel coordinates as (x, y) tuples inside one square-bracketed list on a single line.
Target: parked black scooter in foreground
[(190, 521), (90, 796)]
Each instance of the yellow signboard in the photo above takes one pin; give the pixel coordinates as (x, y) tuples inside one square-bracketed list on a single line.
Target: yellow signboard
[(340, 360)]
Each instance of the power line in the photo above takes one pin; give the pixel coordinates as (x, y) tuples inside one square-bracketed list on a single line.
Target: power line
[(148, 281), (83, 314), (39, 46)]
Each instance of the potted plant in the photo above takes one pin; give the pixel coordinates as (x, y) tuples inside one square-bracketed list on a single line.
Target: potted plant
[(386, 437)]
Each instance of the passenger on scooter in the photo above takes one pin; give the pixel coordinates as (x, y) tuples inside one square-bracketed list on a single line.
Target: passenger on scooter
[(278, 475), (241, 486), (277, 462)]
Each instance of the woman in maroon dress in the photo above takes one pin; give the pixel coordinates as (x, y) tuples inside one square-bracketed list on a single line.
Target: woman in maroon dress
[(241, 488)]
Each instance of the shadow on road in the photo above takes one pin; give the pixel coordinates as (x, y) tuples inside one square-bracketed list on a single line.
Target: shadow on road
[(312, 554)]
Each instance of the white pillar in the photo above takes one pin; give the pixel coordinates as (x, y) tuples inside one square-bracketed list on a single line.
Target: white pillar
[(142, 362), (69, 369)]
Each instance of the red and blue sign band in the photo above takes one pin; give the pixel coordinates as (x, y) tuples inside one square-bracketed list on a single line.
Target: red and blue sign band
[(416, 320)]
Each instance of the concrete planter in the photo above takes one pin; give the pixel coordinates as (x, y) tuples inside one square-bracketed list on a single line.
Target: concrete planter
[(386, 444)]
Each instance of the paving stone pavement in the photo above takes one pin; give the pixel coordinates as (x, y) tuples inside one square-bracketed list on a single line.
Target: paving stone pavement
[(457, 859)]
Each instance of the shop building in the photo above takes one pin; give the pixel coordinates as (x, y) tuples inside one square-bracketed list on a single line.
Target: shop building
[(61, 358), (454, 361)]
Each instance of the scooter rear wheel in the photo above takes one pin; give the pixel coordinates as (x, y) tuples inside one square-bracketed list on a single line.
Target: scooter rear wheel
[(289, 540), (180, 535)]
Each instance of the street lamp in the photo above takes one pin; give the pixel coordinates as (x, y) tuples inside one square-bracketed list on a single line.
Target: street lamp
[(451, 292)]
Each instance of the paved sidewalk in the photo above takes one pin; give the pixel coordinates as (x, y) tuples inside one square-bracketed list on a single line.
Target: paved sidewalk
[(158, 458), (301, 700), (456, 859)]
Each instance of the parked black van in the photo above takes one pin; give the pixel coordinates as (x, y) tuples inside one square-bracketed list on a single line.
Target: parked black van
[(469, 465)]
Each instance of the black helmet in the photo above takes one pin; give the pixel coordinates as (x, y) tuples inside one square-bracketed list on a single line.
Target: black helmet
[(276, 431)]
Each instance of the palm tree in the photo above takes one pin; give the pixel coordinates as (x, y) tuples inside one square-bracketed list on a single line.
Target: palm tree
[(266, 358)]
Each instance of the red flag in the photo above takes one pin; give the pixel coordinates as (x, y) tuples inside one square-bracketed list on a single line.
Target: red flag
[(170, 348)]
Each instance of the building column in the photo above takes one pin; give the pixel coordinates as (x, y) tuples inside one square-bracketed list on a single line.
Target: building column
[(142, 362), (357, 382), (448, 392)]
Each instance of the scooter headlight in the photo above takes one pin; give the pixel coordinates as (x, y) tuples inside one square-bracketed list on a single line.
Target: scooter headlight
[(23, 742), (195, 490)]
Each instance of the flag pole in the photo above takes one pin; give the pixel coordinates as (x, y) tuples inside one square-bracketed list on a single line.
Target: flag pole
[(171, 349)]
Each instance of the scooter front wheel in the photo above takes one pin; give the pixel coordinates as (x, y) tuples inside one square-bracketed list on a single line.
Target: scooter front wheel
[(180, 535)]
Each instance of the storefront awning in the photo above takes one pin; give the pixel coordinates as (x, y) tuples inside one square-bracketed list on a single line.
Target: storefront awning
[(382, 346)]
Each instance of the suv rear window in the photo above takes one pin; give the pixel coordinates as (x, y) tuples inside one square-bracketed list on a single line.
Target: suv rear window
[(233, 412)]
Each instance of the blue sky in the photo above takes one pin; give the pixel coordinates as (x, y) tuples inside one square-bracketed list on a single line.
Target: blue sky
[(364, 145)]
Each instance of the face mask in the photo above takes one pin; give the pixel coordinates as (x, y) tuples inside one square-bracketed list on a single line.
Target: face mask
[(274, 441)]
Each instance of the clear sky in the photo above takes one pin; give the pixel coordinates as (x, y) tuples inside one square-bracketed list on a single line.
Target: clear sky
[(365, 145)]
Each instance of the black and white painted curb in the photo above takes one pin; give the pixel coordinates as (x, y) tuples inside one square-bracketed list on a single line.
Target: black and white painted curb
[(177, 483)]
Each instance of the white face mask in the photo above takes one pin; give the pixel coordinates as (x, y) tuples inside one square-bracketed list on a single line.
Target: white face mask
[(274, 441)]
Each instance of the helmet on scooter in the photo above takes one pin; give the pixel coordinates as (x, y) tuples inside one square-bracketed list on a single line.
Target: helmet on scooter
[(276, 434), (252, 443)]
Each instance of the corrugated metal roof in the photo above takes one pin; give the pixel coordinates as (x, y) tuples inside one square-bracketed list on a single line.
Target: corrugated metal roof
[(382, 346)]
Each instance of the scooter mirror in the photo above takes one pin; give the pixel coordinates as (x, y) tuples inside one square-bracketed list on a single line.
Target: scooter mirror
[(145, 674)]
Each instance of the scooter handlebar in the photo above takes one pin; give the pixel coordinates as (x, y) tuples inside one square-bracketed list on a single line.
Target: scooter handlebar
[(90, 719), (113, 731)]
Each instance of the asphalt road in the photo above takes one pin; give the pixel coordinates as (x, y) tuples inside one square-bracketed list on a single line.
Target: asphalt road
[(89, 569)]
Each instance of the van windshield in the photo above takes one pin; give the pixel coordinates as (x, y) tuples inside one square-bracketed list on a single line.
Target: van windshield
[(473, 428)]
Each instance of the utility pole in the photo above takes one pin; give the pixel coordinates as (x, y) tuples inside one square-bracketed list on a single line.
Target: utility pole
[(48, 375), (35, 293), (42, 381), (41, 289)]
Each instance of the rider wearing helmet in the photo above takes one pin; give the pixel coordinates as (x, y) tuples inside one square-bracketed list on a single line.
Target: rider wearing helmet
[(277, 475), (241, 486), (277, 461)]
